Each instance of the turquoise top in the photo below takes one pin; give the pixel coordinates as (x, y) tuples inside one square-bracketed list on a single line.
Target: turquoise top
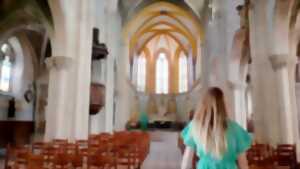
[(238, 140), (143, 119)]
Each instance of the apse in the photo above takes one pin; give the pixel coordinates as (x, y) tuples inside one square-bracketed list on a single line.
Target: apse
[(164, 49), (164, 41)]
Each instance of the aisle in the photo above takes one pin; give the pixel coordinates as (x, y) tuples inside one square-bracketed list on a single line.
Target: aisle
[(164, 153)]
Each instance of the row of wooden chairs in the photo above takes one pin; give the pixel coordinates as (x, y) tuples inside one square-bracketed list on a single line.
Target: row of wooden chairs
[(104, 151), (266, 156)]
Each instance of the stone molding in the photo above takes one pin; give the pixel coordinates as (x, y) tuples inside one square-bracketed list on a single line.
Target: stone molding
[(279, 61), (58, 62)]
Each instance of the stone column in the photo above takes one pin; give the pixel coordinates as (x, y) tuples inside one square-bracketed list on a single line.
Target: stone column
[(67, 112), (263, 79), (113, 42), (239, 95), (287, 116), (109, 92), (125, 92)]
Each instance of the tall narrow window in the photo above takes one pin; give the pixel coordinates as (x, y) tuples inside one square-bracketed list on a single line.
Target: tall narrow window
[(5, 74), (141, 74), (183, 74), (5, 69), (162, 74)]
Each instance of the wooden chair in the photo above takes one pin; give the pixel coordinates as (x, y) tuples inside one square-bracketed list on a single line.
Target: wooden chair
[(77, 160), (38, 147), (71, 148), (271, 166), (60, 141), (35, 162), (49, 153), (260, 154), (286, 155), (104, 137), (126, 150), (62, 160), (7, 156), (140, 147), (29, 161), (82, 143), (101, 160), (22, 154)]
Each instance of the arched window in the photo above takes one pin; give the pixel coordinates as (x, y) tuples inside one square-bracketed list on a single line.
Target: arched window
[(6, 67), (162, 74), (183, 74), (141, 74)]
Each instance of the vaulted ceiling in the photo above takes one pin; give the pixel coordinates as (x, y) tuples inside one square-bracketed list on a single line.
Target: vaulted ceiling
[(164, 25), (126, 5), (16, 12)]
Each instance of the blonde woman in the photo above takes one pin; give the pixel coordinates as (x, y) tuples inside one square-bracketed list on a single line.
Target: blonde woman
[(220, 143)]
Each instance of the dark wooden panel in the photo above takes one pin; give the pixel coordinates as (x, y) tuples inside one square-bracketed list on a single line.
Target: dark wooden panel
[(15, 132), (97, 98)]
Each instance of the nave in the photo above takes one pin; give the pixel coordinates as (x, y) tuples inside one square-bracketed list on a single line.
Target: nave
[(164, 152), (69, 71)]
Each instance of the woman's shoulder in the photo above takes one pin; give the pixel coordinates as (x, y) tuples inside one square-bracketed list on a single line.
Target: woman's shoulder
[(242, 139), (232, 123), (235, 127)]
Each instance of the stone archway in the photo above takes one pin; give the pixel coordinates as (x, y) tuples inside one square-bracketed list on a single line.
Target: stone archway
[(154, 25)]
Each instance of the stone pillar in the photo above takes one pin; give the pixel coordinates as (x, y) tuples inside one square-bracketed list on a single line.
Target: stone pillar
[(113, 42), (125, 92), (287, 116), (263, 79), (67, 112), (109, 94), (239, 95)]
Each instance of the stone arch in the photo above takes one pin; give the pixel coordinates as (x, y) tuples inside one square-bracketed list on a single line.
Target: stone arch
[(146, 21), (59, 31), (282, 19), (146, 3), (295, 35)]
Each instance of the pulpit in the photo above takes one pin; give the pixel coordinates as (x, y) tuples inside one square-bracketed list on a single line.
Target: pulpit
[(97, 90), (97, 98)]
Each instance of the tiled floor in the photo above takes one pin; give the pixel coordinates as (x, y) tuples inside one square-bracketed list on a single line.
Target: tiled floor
[(164, 153)]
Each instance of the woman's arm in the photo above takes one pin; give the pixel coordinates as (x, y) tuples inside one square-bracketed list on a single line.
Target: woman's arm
[(187, 158), (242, 161)]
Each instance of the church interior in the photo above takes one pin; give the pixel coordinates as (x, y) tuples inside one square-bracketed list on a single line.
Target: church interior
[(77, 76)]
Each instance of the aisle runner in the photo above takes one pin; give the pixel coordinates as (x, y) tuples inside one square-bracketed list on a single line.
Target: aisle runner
[(164, 153)]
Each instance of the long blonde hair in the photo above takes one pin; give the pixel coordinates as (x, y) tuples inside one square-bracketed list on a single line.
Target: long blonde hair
[(210, 123)]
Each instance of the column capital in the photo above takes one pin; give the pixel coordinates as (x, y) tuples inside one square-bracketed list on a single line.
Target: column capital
[(58, 62), (279, 61)]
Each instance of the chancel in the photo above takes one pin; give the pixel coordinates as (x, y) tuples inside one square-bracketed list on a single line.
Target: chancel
[(114, 83)]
